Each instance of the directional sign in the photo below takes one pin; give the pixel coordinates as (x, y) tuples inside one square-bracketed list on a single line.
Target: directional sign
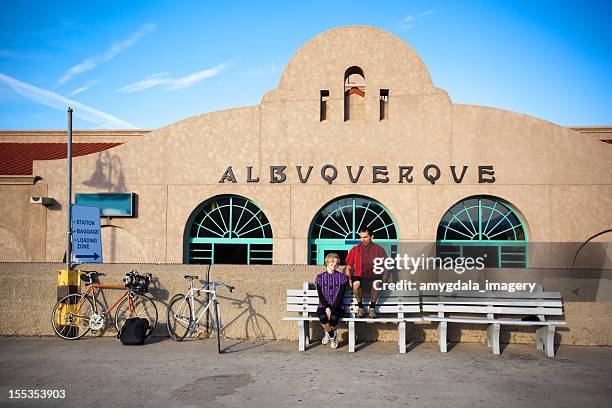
[(86, 234)]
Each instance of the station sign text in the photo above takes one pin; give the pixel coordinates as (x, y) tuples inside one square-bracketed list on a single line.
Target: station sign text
[(380, 174)]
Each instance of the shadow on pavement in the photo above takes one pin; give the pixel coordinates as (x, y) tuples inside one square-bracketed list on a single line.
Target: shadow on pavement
[(243, 345)]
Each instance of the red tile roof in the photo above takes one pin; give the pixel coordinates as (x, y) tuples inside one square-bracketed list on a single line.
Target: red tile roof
[(16, 158)]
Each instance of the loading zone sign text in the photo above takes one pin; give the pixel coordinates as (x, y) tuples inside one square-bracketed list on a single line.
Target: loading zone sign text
[(86, 235)]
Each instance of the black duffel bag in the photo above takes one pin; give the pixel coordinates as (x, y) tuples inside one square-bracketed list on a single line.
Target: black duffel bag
[(134, 331)]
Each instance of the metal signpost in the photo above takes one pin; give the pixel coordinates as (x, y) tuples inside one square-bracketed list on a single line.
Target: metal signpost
[(69, 229), (84, 237)]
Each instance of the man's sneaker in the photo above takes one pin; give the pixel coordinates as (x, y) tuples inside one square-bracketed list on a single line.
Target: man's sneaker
[(333, 341), (371, 313), (325, 339), (360, 312)]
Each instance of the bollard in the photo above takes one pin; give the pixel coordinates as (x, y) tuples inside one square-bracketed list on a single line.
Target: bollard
[(67, 283)]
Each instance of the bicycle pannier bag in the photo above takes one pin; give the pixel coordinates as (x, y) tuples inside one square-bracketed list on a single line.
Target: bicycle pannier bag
[(134, 331)]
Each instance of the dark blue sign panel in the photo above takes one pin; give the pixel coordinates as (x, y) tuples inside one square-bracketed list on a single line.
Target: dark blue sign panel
[(86, 235)]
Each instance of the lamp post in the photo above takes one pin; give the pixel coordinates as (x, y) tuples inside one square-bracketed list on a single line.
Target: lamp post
[(69, 205)]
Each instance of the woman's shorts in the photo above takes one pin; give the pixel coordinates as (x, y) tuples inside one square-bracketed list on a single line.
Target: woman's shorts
[(335, 316)]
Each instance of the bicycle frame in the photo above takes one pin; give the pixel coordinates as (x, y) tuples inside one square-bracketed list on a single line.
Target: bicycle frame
[(91, 291), (193, 322)]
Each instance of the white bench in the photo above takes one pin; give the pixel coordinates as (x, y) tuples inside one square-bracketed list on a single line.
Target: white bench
[(496, 309), (391, 307)]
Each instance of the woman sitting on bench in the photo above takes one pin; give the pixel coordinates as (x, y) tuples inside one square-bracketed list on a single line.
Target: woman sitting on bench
[(331, 285)]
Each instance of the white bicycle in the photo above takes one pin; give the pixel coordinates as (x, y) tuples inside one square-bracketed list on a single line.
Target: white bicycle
[(182, 319)]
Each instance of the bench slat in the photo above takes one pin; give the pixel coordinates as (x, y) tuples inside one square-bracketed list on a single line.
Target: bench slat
[(436, 294), (379, 308), (381, 293), (493, 309), (382, 319), (349, 301), (484, 320), (302, 292), (358, 319), (493, 301), (495, 294), (405, 300), (313, 292), (391, 309)]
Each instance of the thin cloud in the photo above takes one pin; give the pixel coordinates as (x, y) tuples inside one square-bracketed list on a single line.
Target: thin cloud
[(262, 71), (78, 90), (83, 88), (162, 79), (116, 48), (409, 21), (53, 100)]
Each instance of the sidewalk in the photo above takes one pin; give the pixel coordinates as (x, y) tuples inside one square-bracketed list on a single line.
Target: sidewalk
[(102, 372)]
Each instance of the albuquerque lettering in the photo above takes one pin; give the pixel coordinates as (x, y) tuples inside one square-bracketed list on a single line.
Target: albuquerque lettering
[(380, 174)]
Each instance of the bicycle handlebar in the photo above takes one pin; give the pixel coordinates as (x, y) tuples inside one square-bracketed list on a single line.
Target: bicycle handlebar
[(139, 283), (225, 285)]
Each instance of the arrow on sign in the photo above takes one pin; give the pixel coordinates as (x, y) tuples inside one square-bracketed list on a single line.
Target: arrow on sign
[(94, 256)]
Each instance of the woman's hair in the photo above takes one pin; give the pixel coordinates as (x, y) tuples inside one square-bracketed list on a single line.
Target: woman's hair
[(331, 256)]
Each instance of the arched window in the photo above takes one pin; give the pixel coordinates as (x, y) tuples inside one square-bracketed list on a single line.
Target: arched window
[(354, 93), (228, 229), (335, 227), (483, 226)]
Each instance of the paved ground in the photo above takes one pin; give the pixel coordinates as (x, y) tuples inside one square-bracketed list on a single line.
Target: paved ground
[(102, 372)]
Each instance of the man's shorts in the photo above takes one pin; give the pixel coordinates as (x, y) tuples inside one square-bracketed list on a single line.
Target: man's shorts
[(361, 279), (335, 316), (364, 283)]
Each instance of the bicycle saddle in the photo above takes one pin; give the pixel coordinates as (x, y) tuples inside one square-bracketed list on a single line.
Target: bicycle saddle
[(190, 277), (88, 276)]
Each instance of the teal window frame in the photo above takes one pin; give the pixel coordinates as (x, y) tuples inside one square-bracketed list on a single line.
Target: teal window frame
[(318, 246), (201, 248), (480, 236)]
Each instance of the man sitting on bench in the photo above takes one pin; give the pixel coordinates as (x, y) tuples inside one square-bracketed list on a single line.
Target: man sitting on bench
[(360, 261)]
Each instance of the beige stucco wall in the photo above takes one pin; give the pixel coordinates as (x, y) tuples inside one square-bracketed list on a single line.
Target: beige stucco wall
[(28, 292), (256, 308), (22, 225), (559, 182)]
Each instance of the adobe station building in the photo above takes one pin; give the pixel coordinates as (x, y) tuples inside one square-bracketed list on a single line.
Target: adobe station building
[(355, 134)]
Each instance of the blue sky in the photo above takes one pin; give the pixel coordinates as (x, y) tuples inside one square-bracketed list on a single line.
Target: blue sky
[(146, 64)]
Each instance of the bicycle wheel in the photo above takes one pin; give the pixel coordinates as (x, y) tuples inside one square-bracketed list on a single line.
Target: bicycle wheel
[(179, 317), (217, 327), (135, 305), (71, 316)]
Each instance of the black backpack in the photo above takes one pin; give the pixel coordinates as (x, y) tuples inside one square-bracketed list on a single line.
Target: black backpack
[(134, 331)]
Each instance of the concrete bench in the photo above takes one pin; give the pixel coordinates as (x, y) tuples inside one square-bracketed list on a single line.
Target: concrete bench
[(397, 307), (496, 309)]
